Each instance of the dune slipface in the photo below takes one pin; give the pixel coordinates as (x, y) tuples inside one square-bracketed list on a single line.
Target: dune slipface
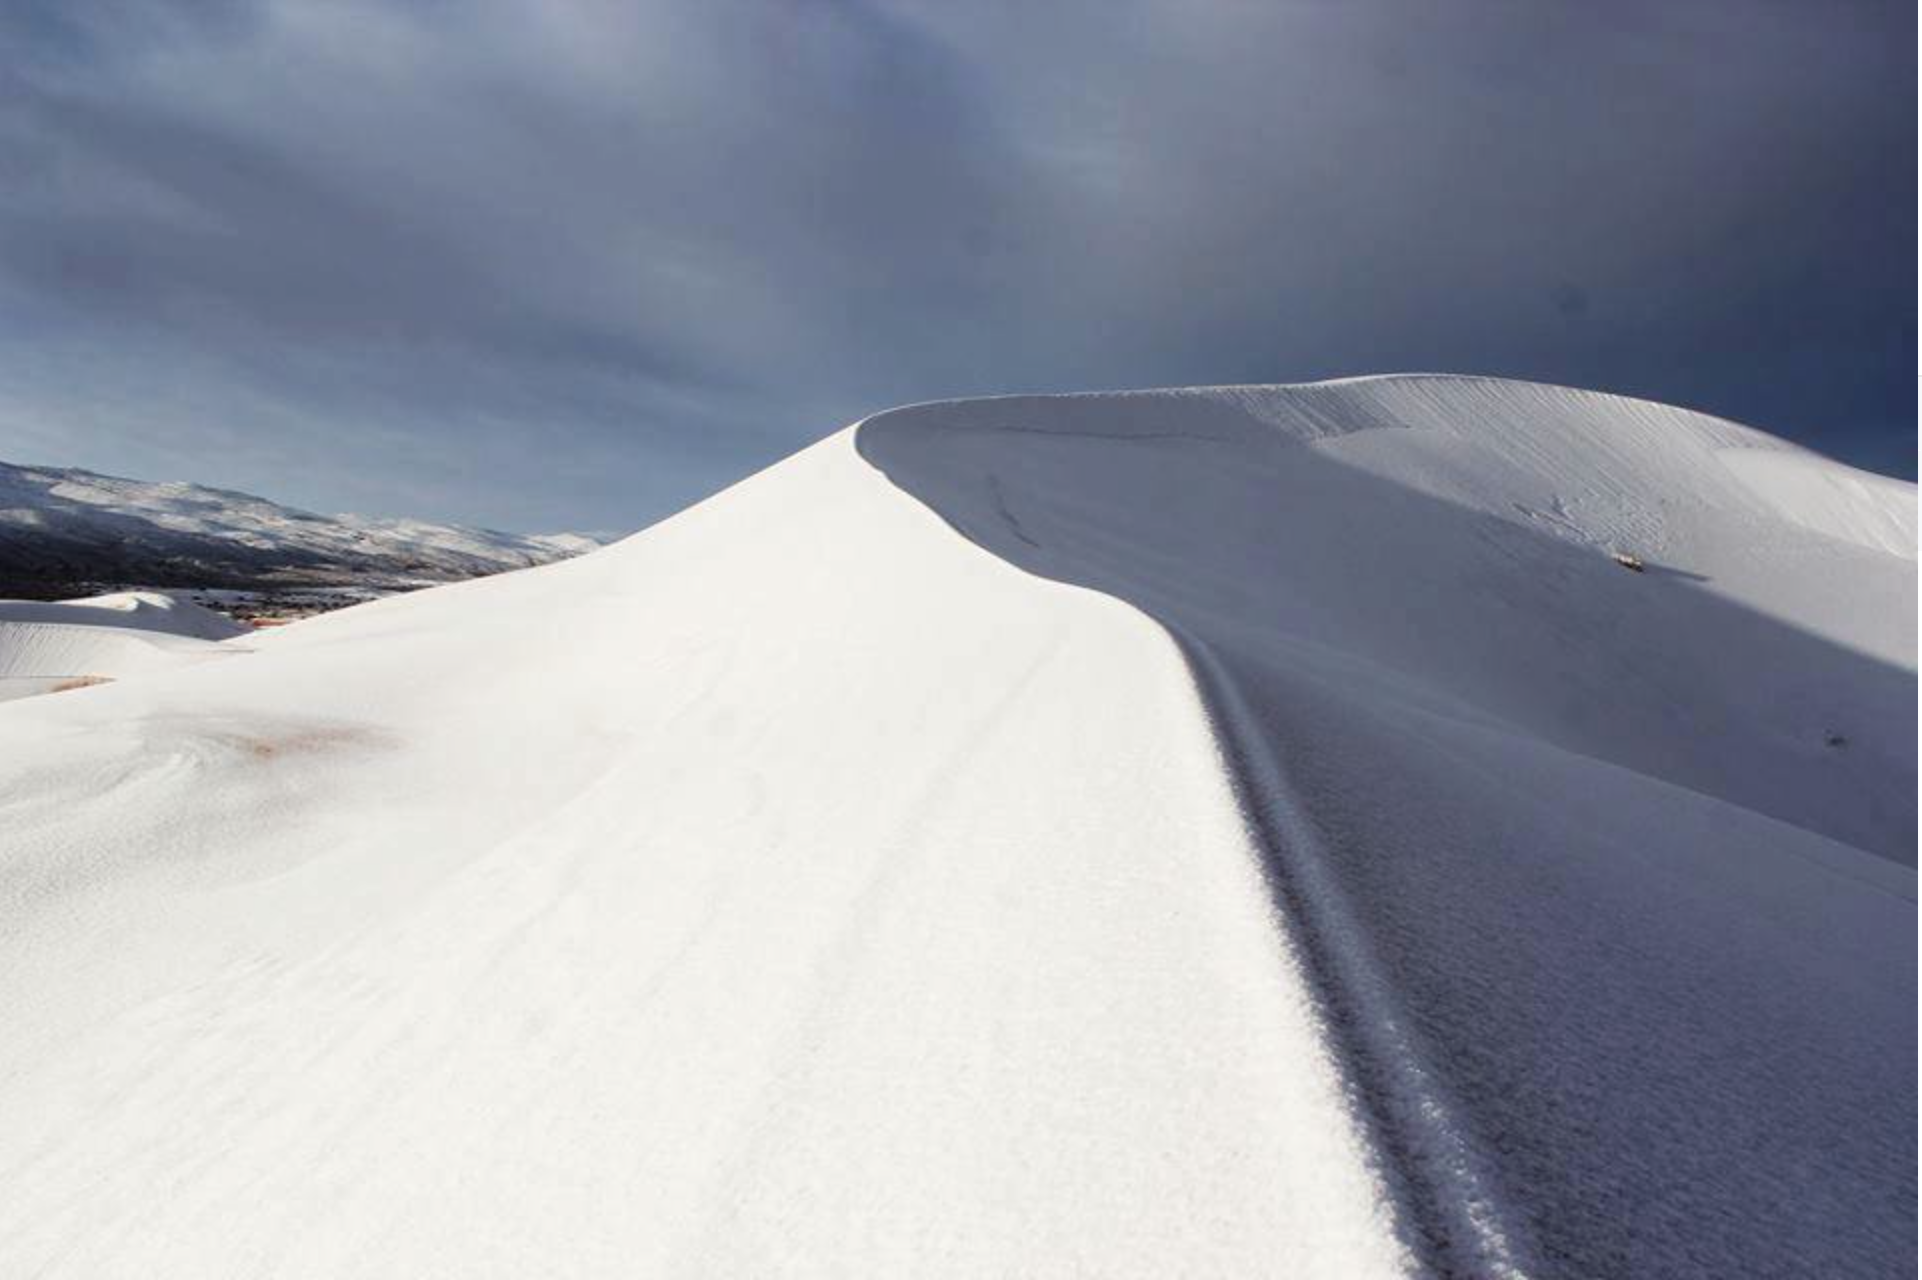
[(1256, 831)]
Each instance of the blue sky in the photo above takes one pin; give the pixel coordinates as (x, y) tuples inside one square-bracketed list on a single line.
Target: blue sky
[(575, 263)]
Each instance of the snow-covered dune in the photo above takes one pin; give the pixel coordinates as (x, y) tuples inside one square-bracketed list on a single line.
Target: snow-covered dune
[(1593, 870), (1240, 832), (46, 646)]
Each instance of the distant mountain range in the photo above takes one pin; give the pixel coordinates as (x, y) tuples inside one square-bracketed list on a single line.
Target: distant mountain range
[(64, 531)]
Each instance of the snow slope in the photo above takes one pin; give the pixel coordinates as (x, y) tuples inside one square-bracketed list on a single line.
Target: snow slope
[(781, 891), (62, 525), (1596, 871), (45, 645), (1236, 832)]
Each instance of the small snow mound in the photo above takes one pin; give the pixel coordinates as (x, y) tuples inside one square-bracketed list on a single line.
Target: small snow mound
[(145, 610), (57, 645)]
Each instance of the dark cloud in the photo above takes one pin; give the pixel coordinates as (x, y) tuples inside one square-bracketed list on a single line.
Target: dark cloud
[(576, 262)]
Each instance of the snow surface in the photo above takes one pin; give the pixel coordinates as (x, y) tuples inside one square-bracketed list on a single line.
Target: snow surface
[(1273, 838), (44, 645), (1856, 506)]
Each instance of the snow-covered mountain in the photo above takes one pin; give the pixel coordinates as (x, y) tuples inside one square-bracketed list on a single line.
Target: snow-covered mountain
[(60, 527), (1237, 832)]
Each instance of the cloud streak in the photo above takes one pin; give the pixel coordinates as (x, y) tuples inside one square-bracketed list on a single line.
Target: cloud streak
[(578, 263)]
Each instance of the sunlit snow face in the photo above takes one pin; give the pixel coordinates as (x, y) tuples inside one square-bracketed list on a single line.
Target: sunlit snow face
[(571, 263)]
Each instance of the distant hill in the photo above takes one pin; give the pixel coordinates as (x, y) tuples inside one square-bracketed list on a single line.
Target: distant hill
[(64, 531)]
